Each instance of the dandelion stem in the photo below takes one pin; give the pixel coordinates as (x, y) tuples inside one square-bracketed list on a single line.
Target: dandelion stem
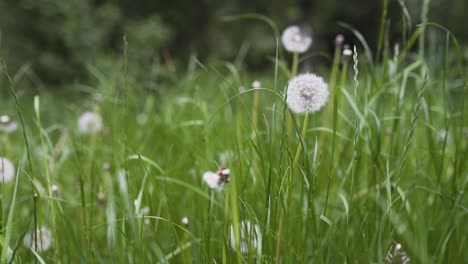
[(288, 189), (294, 69)]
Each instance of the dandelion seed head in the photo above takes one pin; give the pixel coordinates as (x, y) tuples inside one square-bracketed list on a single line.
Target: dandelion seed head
[(306, 93), (347, 52), (339, 39), (250, 237), (4, 119), (295, 40), (7, 125), (256, 84), (43, 237), (54, 189), (212, 180), (216, 181), (7, 170), (90, 123)]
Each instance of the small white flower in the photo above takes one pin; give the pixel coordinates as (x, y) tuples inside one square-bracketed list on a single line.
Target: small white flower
[(347, 52), (216, 181), (256, 84), (4, 119), (55, 189), (306, 93), (90, 123), (43, 238), (212, 180), (185, 221), (6, 125), (250, 237), (7, 170), (294, 40)]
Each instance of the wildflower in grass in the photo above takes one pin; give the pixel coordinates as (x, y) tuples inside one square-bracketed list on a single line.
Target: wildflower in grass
[(43, 239), (216, 181), (306, 93), (55, 190), (7, 125), (339, 39), (7, 170), (185, 221), (250, 237), (347, 52), (397, 257), (90, 123), (295, 40), (256, 84)]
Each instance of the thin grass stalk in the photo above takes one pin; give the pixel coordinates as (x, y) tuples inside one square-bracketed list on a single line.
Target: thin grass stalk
[(289, 187), (46, 170), (332, 85), (26, 142), (289, 117)]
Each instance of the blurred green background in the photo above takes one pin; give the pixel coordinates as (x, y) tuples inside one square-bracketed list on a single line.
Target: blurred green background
[(56, 42)]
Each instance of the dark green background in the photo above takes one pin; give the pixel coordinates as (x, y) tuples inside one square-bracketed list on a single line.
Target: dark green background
[(57, 41)]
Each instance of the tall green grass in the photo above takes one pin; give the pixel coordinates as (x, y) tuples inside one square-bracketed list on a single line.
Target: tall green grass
[(383, 163)]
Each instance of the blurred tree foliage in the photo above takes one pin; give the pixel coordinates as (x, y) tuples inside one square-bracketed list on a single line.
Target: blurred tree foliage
[(60, 39)]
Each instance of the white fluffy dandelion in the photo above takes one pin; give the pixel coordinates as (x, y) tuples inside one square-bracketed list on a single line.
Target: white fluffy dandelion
[(43, 238), (347, 52), (256, 84), (6, 125), (216, 181), (295, 40), (90, 123), (339, 40), (7, 170), (250, 237), (185, 221), (306, 93)]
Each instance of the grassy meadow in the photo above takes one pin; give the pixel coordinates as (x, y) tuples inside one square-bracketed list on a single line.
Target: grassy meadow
[(383, 163)]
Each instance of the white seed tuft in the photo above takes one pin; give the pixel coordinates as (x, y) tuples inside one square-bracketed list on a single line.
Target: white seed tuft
[(295, 40), (7, 170), (306, 93)]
